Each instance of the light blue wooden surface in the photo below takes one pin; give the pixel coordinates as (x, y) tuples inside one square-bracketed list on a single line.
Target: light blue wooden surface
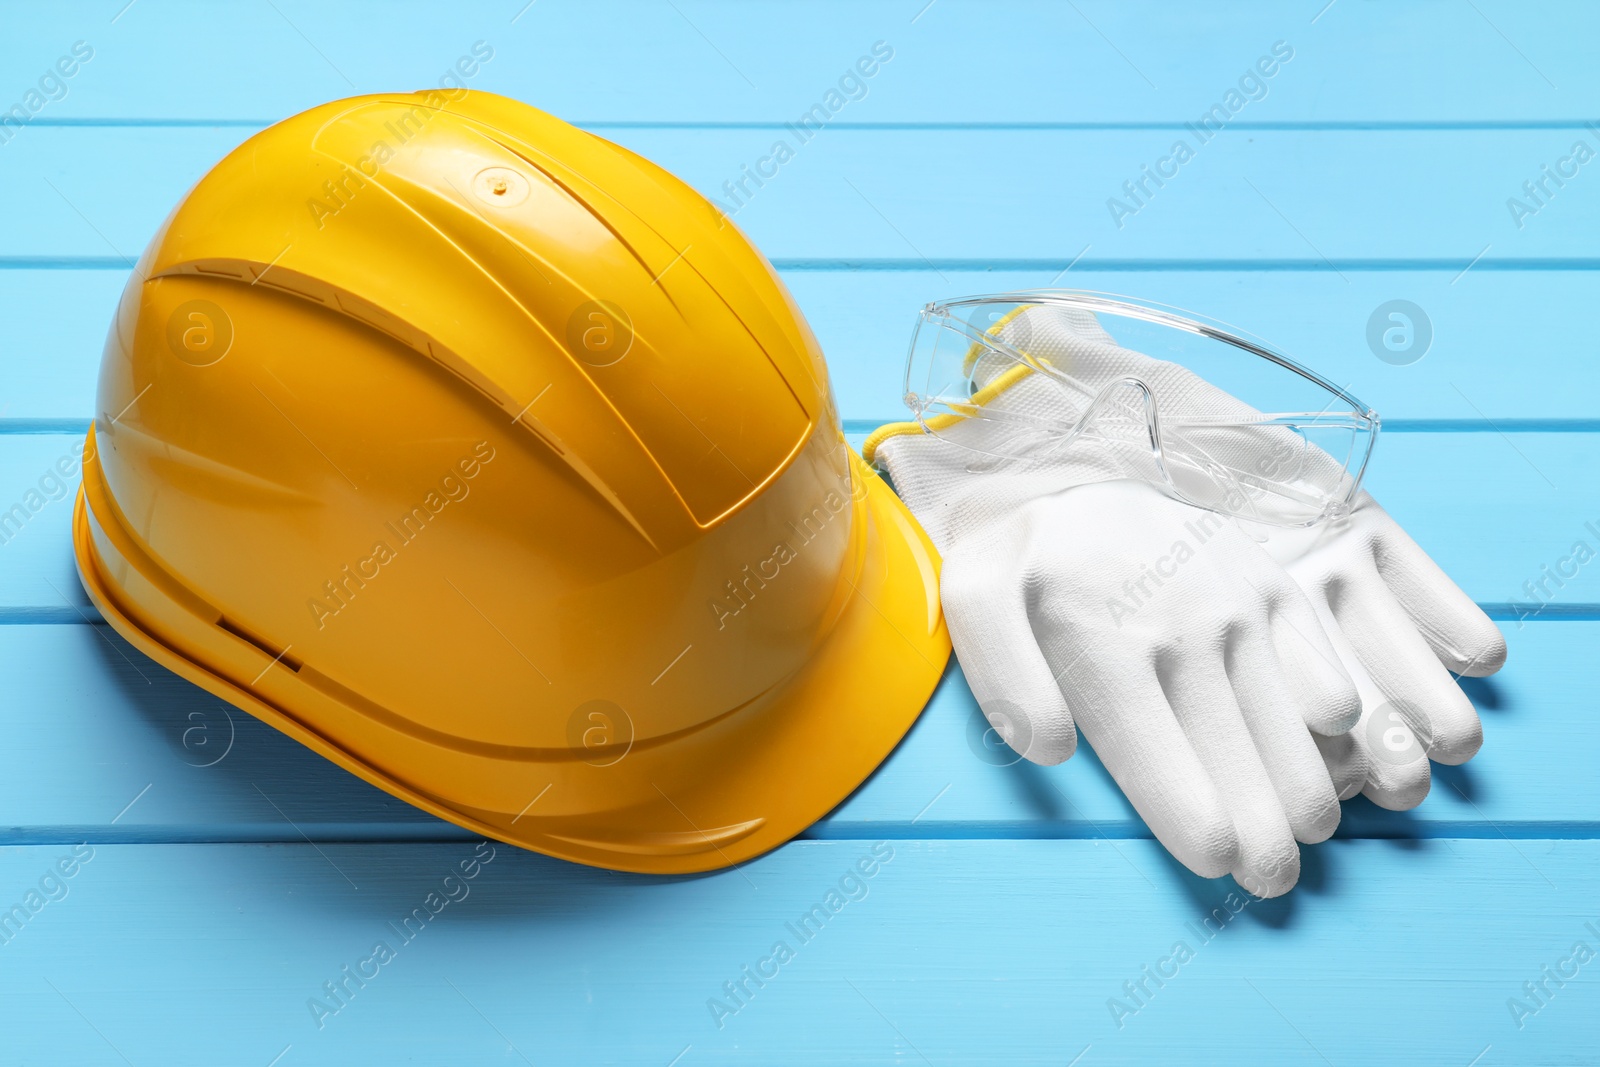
[(233, 873)]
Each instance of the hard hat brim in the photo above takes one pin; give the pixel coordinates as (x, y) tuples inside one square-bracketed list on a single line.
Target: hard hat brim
[(822, 732)]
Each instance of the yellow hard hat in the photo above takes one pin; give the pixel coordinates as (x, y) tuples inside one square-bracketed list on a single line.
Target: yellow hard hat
[(491, 462)]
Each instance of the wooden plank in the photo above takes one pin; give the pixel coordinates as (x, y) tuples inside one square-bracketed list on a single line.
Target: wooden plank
[(1543, 486), (1324, 200), (969, 952), (55, 328), (693, 61), (1373, 158), (37, 574), (114, 727), (106, 726), (1501, 342)]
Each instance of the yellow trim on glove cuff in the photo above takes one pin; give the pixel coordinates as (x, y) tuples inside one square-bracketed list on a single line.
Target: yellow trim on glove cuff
[(869, 447)]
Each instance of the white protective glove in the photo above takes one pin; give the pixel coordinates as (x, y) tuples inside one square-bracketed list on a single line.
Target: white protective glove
[(1077, 591), (1400, 627)]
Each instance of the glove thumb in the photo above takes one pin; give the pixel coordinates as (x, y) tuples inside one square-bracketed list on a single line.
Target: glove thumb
[(985, 605)]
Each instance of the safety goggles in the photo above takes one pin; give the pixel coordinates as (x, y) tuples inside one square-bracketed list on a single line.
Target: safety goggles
[(1272, 441)]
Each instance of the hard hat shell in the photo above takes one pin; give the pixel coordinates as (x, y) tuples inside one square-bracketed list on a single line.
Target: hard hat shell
[(492, 462)]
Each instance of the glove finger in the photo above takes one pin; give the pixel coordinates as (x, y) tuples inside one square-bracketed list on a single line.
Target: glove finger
[(1398, 774), (1125, 715), (986, 612), (1320, 676), (1275, 717), (1403, 667), (1375, 758), (1465, 639), (1346, 760), (1203, 701), (1319, 664)]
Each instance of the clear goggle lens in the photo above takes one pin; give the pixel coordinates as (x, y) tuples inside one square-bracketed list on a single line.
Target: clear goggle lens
[(1273, 441)]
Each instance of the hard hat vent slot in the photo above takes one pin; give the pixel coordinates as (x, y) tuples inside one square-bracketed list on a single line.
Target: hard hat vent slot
[(279, 655), (224, 269)]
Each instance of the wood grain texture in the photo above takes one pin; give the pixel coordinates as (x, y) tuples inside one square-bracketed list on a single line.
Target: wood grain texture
[(234, 873), (951, 953)]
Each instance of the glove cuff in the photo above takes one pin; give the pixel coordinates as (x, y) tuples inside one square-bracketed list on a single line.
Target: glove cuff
[(955, 488)]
